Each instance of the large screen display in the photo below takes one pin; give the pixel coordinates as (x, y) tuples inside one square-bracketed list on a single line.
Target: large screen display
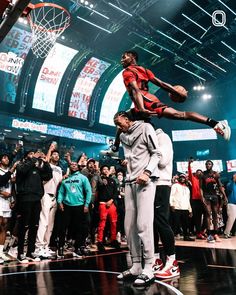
[(182, 167), (112, 99), (231, 165), (84, 86), (50, 76), (13, 51), (193, 134), (57, 130)]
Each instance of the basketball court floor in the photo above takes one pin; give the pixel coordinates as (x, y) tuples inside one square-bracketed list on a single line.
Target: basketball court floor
[(205, 269)]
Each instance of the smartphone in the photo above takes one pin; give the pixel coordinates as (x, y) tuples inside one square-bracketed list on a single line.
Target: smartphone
[(20, 142)]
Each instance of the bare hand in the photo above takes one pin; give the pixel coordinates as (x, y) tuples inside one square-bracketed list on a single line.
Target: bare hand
[(6, 195), (124, 162), (142, 179), (86, 209), (61, 207), (13, 168), (147, 112), (108, 203)]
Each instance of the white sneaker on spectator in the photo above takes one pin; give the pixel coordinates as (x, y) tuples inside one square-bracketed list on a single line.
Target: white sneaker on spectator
[(22, 259), (13, 252), (5, 257), (32, 257)]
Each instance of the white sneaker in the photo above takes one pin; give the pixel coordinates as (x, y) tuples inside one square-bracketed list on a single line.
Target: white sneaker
[(43, 253), (5, 257), (33, 258), (13, 252), (223, 129), (50, 251), (22, 259)]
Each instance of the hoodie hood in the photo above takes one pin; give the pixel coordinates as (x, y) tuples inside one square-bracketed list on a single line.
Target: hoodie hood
[(134, 126)]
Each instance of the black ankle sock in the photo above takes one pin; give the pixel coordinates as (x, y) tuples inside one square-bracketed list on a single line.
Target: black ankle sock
[(212, 123)]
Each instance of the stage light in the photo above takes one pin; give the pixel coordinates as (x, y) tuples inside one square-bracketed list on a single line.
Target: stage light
[(225, 58), (101, 28), (154, 43), (120, 9), (99, 13), (199, 87), (86, 3), (163, 34), (181, 30), (191, 20), (227, 7), (147, 50), (188, 71), (215, 65), (91, 5), (207, 13), (206, 96), (63, 37), (228, 46)]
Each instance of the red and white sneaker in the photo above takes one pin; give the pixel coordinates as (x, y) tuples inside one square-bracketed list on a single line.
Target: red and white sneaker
[(223, 129), (157, 266), (169, 271)]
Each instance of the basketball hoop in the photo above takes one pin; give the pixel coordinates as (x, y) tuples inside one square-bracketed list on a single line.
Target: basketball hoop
[(47, 21)]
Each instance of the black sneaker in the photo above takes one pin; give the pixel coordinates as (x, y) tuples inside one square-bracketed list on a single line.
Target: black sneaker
[(84, 251), (22, 259), (100, 247), (32, 257), (115, 244), (60, 252), (187, 238)]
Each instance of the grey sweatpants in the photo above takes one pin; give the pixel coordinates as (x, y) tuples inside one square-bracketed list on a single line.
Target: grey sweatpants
[(139, 212)]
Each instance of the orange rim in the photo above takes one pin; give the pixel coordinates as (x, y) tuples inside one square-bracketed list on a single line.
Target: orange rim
[(39, 5)]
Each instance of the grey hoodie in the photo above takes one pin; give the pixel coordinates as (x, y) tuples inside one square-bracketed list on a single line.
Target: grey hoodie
[(141, 150)]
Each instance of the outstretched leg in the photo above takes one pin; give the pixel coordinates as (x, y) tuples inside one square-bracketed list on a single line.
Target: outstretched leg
[(221, 127)]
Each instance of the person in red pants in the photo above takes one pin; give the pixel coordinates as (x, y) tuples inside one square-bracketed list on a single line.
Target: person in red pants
[(107, 195)]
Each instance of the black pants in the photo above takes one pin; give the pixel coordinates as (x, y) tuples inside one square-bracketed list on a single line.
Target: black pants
[(162, 228), (198, 211), (181, 219), (29, 220), (80, 221)]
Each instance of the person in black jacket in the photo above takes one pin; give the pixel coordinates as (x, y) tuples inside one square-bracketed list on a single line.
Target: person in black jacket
[(30, 174), (107, 195)]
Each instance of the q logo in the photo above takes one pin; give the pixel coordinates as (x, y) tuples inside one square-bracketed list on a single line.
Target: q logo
[(215, 21)]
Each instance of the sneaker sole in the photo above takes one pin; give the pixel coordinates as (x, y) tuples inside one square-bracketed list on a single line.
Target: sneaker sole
[(167, 277)]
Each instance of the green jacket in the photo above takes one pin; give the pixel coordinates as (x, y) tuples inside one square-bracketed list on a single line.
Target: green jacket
[(75, 190)]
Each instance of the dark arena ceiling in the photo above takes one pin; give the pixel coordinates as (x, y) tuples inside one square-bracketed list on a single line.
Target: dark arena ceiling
[(168, 34)]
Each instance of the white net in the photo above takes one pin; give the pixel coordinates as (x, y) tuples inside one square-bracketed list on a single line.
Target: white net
[(47, 21)]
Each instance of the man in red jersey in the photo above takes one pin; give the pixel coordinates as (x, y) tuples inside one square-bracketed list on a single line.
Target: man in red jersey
[(196, 202), (136, 80)]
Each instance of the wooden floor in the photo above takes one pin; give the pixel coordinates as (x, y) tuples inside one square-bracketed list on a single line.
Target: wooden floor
[(205, 269)]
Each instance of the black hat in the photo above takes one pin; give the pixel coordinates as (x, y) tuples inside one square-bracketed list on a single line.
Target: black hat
[(91, 160), (105, 165), (27, 152)]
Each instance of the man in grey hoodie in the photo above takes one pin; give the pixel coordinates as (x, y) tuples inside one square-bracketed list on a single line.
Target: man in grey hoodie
[(142, 156)]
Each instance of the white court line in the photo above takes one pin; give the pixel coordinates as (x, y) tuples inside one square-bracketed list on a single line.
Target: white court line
[(85, 270)]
